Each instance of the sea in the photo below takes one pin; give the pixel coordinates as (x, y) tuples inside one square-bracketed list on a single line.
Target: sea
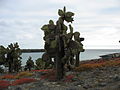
[(88, 54)]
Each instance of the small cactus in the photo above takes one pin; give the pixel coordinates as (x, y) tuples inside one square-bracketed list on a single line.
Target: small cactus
[(29, 64)]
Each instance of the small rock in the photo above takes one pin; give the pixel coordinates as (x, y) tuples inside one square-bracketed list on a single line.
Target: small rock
[(68, 73), (58, 85), (46, 83), (102, 84), (74, 88), (87, 86), (116, 78), (119, 86), (18, 88), (54, 83), (80, 82), (110, 76), (79, 85)]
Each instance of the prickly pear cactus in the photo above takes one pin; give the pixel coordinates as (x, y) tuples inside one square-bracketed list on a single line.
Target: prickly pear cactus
[(13, 57), (59, 42), (2, 55)]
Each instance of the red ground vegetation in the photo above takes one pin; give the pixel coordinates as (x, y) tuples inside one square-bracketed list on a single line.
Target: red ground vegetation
[(97, 64), (44, 70), (4, 84), (50, 75), (23, 80), (69, 78)]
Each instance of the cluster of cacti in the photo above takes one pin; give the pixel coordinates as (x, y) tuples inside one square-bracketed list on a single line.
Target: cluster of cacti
[(60, 45), (10, 57), (29, 64)]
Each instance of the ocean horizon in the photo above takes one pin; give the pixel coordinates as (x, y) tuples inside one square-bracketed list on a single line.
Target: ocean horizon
[(88, 54)]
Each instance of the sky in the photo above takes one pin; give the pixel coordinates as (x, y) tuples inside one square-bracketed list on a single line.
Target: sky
[(98, 21)]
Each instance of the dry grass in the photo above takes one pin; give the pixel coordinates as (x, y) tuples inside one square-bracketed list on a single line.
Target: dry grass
[(23, 74)]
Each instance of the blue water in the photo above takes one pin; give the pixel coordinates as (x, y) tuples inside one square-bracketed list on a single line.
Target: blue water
[(87, 55)]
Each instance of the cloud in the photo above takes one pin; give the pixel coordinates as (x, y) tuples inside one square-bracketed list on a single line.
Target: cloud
[(97, 20), (3, 23), (105, 37), (27, 34)]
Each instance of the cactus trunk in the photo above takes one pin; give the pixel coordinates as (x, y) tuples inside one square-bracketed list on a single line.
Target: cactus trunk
[(10, 69), (77, 59), (59, 64)]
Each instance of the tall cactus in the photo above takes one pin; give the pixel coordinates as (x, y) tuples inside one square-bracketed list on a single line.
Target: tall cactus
[(10, 57), (13, 57), (59, 44)]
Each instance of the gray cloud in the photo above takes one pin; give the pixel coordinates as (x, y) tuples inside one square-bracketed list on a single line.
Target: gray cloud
[(97, 21), (3, 23)]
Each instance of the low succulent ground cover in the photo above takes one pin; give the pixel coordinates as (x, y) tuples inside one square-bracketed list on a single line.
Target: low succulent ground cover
[(99, 73), (98, 64)]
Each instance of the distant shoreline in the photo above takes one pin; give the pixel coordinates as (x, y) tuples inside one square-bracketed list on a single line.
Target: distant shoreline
[(43, 50), (32, 50)]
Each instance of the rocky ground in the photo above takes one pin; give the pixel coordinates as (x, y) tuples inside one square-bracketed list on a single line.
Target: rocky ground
[(104, 78)]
